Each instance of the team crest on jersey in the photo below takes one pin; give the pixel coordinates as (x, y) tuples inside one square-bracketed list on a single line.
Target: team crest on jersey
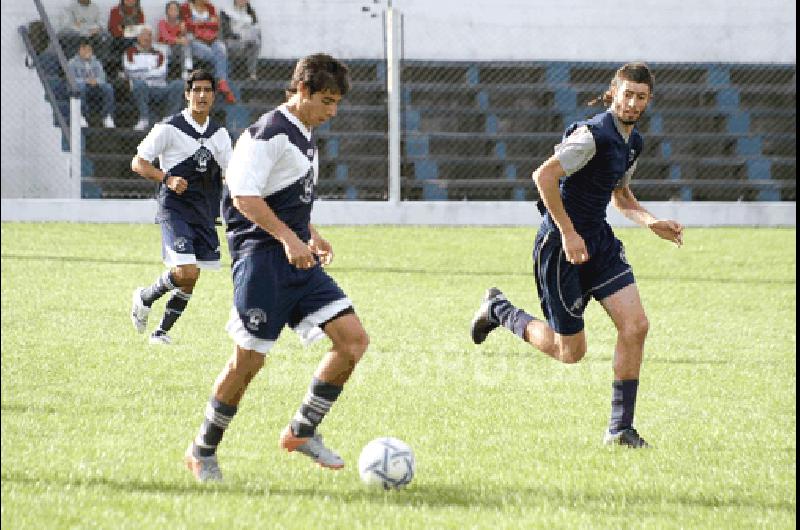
[(201, 157), (577, 305), (255, 317), (308, 187), (180, 244)]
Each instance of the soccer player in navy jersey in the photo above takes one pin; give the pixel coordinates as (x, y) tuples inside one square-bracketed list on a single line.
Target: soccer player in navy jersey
[(193, 152), (277, 258), (576, 255)]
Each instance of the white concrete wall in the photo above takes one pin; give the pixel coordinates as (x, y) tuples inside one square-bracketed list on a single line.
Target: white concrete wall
[(431, 213), (652, 30), (32, 163)]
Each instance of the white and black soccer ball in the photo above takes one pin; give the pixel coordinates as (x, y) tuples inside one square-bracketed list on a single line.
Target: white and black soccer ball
[(386, 462)]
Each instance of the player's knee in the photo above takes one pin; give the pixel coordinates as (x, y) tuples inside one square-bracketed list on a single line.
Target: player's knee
[(572, 353), (355, 345), (246, 362), (186, 276), (635, 328)]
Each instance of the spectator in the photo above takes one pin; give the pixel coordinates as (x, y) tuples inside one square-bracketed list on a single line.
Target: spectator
[(124, 21), (242, 33), (202, 24), (80, 20), (146, 68), (172, 32), (91, 80)]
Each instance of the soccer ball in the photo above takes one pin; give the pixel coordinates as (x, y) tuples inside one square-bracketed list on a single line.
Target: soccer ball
[(386, 462)]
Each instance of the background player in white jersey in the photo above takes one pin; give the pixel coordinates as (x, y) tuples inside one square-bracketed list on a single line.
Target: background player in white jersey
[(277, 258), (193, 151), (576, 255)]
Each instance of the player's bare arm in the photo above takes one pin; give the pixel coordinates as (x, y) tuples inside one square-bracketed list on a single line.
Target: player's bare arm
[(256, 210), (546, 178), (320, 246), (624, 201), (151, 172)]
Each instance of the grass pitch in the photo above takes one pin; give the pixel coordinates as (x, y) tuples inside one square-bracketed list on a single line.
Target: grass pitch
[(95, 420)]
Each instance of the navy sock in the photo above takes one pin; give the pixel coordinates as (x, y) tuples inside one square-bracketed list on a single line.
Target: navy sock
[(623, 401), (508, 316), (174, 309), (162, 285), (315, 406), (217, 417)]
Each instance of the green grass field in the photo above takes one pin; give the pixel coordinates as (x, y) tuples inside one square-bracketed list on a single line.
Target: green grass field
[(95, 420)]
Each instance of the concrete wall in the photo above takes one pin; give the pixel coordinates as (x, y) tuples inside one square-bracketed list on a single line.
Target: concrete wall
[(32, 163), (432, 213)]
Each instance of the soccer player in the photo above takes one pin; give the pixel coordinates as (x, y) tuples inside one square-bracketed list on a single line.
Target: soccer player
[(277, 258), (576, 255), (193, 151)]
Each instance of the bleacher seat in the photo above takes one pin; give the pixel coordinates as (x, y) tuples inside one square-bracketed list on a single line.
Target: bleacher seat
[(477, 130)]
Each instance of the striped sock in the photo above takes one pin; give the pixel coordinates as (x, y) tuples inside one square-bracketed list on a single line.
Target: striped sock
[(218, 416), (315, 406), (510, 317), (162, 285), (174, 309)]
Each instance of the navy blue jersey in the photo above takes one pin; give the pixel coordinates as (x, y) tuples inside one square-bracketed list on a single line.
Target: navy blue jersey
[(586, 192), (199, 154), (275, 159)]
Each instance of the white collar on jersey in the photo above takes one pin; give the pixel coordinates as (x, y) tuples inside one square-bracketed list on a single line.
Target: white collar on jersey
[(197, 127), (294, 119)]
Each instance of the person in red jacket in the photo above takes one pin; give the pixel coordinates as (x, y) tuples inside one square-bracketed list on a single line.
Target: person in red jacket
[(202, 27), (124, 22), (172, 32)]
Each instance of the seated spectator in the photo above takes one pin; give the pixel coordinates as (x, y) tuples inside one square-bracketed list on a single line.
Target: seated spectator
[(146, 68), (242, 33), (124, 22), (172, 32), (80, 20), (202, 25), (91, 80)]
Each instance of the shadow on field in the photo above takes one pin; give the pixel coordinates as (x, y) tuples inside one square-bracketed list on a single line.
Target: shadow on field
[(400, 270), (424, 495)]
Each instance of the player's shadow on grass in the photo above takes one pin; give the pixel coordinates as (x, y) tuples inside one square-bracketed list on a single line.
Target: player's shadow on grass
[(423, 495)]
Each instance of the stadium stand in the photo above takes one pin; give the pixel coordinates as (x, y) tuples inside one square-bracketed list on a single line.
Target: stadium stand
[(476, 131)]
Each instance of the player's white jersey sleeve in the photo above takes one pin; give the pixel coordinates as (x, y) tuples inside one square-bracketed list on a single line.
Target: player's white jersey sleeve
[(155, 143), (225, 153), (626, 178), (576, 150), (251, 164)]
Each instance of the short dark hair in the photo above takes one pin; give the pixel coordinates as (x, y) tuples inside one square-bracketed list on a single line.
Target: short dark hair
[(320, 72), (84, 42), (199, 75)]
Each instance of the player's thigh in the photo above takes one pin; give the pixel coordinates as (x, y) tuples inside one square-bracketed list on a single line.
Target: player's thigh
[(559, 285), (206, 246), (626, 310), (318, 300), (259, 301), (347, 332)]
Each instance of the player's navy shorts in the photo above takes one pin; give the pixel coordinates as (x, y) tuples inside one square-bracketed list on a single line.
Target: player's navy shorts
[(270, 293), (185, 243), (565, 289)]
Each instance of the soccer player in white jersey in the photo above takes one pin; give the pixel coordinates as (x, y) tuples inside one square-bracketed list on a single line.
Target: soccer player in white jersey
[(193, 152), (277, 257)]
